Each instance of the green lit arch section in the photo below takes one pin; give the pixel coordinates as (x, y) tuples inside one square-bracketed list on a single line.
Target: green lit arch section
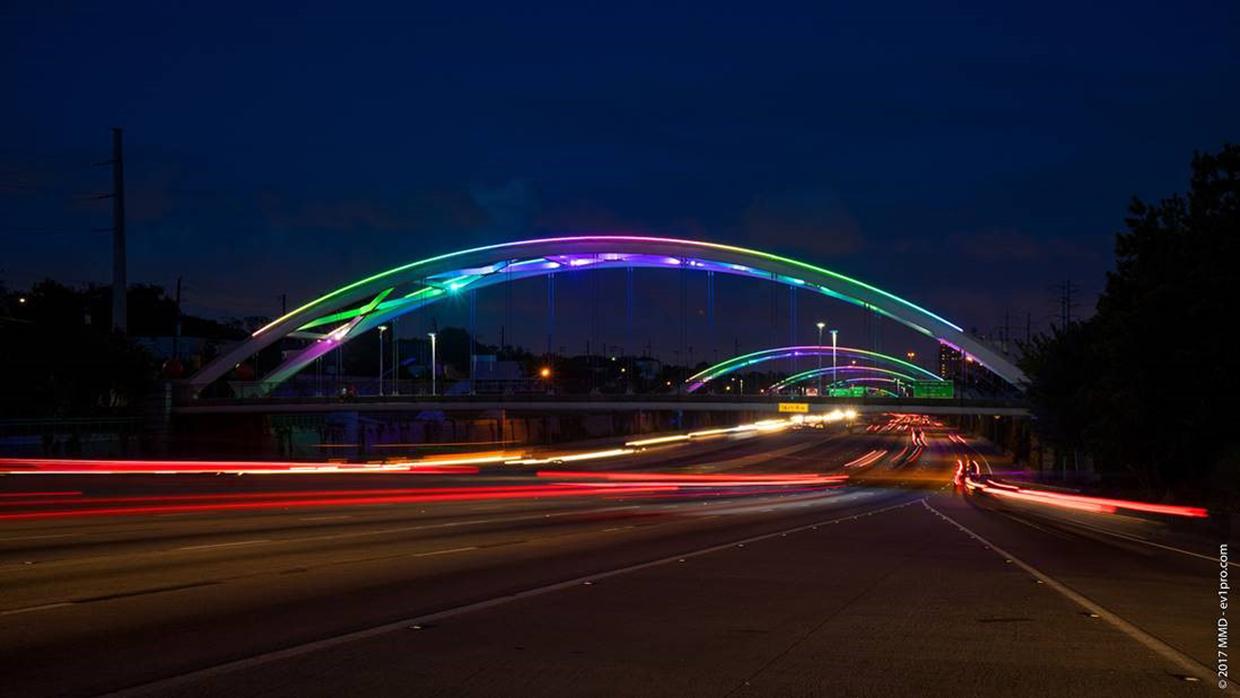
[(833, 372), (868, 381), (737, 363), (337, 317)]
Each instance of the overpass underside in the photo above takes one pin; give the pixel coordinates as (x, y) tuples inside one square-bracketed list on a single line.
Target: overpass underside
[(554, 404)]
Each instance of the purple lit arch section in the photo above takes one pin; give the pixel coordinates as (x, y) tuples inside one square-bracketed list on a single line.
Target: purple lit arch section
[(339, 316), (853, 354)]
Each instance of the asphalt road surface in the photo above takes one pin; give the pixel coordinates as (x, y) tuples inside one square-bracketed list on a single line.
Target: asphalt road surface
[(499, 584)]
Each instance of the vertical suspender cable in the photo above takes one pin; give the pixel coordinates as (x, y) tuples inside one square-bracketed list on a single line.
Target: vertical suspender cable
[(628, 339)]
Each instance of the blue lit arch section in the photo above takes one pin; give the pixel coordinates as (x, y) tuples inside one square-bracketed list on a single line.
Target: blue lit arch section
[(846, 354), (837, 374), (337, 317)]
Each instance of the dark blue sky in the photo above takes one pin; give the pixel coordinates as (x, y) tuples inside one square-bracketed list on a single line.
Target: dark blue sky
[(966, 157)]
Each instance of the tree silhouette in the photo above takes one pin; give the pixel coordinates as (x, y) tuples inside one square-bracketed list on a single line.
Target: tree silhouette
[(1156, 364)]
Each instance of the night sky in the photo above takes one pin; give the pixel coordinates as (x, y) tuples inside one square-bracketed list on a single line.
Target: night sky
[(968, 158)]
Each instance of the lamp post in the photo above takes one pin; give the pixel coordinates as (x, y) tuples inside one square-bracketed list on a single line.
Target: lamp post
[(432, 336), (835, 371), (821, 325), (382, 329), (395, 358)]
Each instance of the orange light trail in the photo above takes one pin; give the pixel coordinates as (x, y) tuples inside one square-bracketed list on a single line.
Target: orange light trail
[(698, 479), (867, 459)]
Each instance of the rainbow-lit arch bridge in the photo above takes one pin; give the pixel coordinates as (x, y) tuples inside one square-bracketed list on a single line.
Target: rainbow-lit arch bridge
[(849, 355), (345, 313)]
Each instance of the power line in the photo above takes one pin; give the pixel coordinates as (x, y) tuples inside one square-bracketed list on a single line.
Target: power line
[(55, 230), (56, 191), (1064, 298)]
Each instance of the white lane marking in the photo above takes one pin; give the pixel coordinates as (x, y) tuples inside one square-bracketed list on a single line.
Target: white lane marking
[(337, 536), (1036, 527), (617, 528), (326, 518), (59, 535), (44, 607), (450, 524), (446, 552), (1134, 539), (165, 685), (1191, 666), (225, 545)]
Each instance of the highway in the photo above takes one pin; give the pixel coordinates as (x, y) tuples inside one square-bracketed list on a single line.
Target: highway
[(703, 568)]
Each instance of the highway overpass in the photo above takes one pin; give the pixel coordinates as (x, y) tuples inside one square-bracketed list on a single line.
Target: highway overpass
[(604, 403)]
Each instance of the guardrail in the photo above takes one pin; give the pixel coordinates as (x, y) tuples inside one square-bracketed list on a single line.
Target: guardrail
[(555, 402)]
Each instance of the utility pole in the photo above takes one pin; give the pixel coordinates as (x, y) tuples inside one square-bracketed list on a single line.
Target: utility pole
[(176, 335), (120, 283), (1066, 289)]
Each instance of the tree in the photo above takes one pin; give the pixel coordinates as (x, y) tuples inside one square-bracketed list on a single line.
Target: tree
[(1166, 316), (1060, 366), (1160, 353)]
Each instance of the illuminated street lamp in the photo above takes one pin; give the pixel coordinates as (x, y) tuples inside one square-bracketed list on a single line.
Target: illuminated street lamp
[(382, 329), (544, 372), (432, 336), (834, 364), (821, 325)]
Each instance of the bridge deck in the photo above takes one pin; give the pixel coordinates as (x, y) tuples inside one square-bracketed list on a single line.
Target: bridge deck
[(602, 403)]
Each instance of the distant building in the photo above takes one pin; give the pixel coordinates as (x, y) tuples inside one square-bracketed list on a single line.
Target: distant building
[(968, 373), (949, 362)]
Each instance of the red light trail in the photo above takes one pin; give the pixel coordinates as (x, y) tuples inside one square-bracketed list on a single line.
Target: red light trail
[(63, 466), (1098, 505), (212, 502)]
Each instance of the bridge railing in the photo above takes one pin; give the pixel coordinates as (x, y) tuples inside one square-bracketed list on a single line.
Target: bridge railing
[(525, 393)]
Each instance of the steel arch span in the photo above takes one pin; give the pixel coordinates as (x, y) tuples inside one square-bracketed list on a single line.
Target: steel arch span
[(342, 314), (848, 353), (867, 380), (833, 374)]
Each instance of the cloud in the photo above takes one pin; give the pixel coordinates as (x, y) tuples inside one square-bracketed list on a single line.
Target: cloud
[(813, 220), (1008, 244), (511, 206), (431, 209), (584, 216)]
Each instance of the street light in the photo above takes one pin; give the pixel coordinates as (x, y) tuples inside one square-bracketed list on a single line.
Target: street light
[(821, 325), (395, 358), (382, 329), (835, 371), (432, 336)]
